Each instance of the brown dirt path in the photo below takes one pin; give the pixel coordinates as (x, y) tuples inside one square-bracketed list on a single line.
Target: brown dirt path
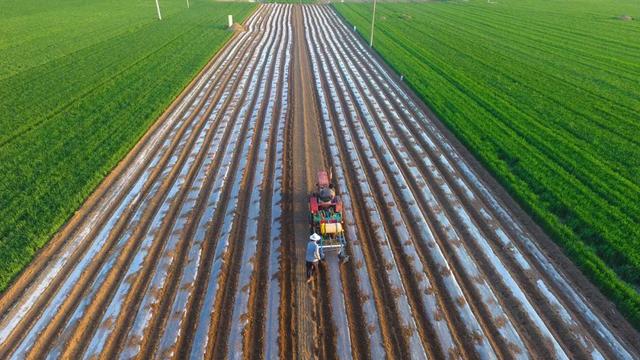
[(307, 160)]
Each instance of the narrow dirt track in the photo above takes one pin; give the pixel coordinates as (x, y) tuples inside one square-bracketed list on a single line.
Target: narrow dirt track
[(194, 246)]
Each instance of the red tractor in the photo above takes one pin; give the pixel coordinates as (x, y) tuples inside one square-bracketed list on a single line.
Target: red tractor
[(326, 216)]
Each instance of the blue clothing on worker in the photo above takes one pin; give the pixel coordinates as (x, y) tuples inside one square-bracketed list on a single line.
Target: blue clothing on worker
[(313, 252)]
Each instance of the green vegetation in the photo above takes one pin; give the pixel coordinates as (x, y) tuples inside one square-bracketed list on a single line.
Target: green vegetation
[(547, 95), (80, 82)]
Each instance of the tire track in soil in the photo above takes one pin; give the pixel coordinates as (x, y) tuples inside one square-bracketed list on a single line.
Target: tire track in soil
[(288, 341)]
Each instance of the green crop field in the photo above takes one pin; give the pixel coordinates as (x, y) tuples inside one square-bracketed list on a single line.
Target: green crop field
[(80, 82), (547, 95)]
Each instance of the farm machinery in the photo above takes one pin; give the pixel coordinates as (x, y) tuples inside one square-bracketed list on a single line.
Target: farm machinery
[(325, 216)]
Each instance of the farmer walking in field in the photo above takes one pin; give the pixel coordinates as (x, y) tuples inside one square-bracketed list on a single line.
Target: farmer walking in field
[(313, 256)]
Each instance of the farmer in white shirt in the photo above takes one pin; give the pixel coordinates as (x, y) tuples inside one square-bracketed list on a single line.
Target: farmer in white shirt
[(313, 256)]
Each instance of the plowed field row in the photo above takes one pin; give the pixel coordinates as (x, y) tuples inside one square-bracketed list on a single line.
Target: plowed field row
[(194, 246)]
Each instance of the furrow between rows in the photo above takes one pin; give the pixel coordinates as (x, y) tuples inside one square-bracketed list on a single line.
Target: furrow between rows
[(268, 320)]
